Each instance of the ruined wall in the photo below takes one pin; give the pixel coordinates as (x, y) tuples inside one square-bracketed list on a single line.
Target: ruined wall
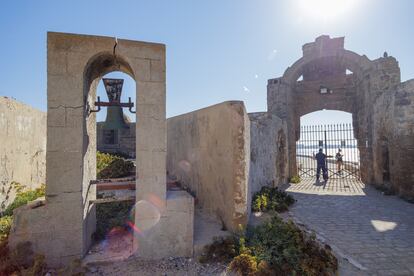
[(208, 151), (268, 151), (22, 148)]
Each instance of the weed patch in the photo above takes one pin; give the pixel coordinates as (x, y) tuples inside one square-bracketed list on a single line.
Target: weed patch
[(271, 199), (112, 166), (273, 248)]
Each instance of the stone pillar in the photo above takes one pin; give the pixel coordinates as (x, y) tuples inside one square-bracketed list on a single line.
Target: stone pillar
[(279, 97), (62, 229), (402, 145)]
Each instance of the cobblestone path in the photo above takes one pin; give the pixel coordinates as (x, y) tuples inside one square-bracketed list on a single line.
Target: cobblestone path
[(375, 232)]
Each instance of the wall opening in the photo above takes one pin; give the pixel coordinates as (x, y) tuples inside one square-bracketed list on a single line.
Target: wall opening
[(333, 133), (106, 128), (116, 125), (116, 171)]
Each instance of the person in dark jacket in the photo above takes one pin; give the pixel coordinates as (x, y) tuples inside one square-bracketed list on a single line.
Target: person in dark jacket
[(321, 165)]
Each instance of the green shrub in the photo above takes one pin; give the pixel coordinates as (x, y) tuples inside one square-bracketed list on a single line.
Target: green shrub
[(244, 264), (273, 248), (5, 226), (223, 249), (23, 197), (288, 250), (110, 215), (103, 160), (112, 166), (295, 179), (271, 199)]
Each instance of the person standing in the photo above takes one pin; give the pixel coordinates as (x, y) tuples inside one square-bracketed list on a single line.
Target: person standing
[(339, 161), (321, 165)]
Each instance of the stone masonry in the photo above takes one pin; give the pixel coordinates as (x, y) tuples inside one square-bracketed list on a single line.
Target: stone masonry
[(268, 151), (381, 107), (124, 143), (62, 228), (22, 148), (208, 153), (220, 153)]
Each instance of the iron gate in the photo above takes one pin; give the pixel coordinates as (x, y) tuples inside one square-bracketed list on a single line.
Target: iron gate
[(330, 138)]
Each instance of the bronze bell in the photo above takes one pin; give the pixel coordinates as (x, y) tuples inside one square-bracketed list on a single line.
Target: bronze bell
[(114, 115)]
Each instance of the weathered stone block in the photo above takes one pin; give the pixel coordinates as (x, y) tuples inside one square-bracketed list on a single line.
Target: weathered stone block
[(173, 233), (63, 172), (142, 69), (158, 71), (64, 139)]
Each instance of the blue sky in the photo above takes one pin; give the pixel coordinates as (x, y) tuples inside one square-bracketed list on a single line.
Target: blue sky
[(216, 50)]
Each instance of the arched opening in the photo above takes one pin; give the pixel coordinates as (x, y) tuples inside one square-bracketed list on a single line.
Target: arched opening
[(116, 125), (330, 132), (111, 129), (323, 79)]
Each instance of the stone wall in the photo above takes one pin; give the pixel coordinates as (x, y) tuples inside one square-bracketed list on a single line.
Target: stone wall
[(393, 150), (22, 148), (403, 134), (208, 151), (381, 106), (63, 228), (268, 146), (125, 141)]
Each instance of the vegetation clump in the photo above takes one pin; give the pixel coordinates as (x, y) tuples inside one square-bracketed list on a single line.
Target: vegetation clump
[(16, 263), (24, 196), (287, 250), (112, 166), (295, 179), (271, 199), (273, 248), (223, 249), (5, 226), (244, 264)]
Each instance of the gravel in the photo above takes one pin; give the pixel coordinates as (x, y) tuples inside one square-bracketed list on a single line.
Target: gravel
[(164, 267)]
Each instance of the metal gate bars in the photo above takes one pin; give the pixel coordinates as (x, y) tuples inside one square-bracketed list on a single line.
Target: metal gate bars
[(332, 139)]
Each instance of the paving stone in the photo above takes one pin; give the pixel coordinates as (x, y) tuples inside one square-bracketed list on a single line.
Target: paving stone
[(373, 229)]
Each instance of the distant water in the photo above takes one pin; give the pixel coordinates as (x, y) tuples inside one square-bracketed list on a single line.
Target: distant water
[(351, 153)]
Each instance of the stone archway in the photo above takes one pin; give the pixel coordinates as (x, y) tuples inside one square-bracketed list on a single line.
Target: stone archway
[(75, 65), (325, 84)]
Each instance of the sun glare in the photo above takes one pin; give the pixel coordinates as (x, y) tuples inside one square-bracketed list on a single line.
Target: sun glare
[(325, 9)]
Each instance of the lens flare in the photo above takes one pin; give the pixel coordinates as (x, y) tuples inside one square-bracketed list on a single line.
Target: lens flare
[(145, 214), (185, 166)]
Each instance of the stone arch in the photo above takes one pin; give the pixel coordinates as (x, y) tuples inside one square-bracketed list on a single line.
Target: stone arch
[(324, 65), (351, 60), (103, 63), (75, 63)]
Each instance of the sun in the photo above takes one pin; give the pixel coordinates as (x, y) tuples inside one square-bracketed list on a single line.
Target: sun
[(326, 9)]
